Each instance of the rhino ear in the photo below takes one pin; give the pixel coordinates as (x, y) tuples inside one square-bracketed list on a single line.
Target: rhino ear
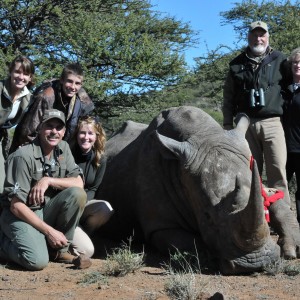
[(242, 122), (170, 148)]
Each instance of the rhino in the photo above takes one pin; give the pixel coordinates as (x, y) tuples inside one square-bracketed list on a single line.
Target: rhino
[(183, 181)]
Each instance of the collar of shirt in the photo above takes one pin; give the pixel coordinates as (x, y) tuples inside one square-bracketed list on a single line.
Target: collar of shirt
[(37, 149), (296, 86), (6, 89)]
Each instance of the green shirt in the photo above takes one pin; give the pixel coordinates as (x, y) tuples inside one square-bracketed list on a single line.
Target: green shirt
[(27, 165)]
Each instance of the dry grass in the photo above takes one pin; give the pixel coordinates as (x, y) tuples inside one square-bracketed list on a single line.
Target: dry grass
[(283, 266), (123, 260), (183, 284), (93, 277)]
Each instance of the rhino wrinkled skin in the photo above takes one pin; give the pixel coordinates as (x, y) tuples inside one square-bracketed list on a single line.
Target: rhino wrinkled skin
[(184, 181)]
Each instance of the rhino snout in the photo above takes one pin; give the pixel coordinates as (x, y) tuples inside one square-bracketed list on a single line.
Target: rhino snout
[(251, 262)]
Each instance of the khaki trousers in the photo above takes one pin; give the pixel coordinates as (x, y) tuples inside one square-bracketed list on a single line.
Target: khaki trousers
[(26, 246), (267, 143), (96, 213)]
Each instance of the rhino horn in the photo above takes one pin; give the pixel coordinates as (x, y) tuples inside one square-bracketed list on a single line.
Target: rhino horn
[(253, 229)]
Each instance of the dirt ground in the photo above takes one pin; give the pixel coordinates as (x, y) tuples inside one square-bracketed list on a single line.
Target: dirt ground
[(59, 281)]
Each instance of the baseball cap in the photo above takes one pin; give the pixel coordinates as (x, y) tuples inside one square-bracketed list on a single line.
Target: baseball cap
[(53, 114), (258, 24)]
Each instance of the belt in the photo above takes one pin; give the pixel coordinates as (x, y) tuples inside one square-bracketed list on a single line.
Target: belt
[(264, 117)]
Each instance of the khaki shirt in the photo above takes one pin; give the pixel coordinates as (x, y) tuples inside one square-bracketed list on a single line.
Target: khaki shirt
[(27, 165)]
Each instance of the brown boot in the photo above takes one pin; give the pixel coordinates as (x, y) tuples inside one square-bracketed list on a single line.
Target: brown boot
[(81, 261)]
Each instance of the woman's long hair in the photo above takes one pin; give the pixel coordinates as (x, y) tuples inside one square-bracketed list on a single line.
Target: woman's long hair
[(99, 144)]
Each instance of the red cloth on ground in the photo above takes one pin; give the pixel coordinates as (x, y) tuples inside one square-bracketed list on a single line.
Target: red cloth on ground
[(268, 200)]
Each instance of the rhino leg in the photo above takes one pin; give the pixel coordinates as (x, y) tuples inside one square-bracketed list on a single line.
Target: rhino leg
[(169, 240), (285, 223)]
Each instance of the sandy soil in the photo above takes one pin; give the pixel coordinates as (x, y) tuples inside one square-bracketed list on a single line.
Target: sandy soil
[(60, 281)]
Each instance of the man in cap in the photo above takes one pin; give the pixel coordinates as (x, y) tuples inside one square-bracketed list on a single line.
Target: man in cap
[(253, 86), (43, 200)]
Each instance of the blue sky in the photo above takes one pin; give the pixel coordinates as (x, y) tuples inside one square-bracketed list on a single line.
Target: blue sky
[(203, 16)]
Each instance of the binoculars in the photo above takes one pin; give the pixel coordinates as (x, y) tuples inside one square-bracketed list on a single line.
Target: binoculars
[(257, 98)]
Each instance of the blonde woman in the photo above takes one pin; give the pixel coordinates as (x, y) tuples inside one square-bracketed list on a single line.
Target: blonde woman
[(88, 151)]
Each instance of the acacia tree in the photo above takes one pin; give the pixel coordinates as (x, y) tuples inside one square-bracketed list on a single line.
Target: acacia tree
[(283, 20), (125, 47)]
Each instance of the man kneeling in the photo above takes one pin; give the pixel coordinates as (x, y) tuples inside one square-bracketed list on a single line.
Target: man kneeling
[(43, 200)]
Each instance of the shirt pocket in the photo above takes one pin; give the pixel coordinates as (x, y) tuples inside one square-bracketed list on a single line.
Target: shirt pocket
[(62, 170), (37, 175)]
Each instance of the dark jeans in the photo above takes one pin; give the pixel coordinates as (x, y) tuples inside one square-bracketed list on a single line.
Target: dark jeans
[(293, 167)]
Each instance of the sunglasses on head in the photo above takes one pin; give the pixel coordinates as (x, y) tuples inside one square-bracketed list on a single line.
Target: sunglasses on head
[(96, 119)]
